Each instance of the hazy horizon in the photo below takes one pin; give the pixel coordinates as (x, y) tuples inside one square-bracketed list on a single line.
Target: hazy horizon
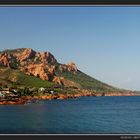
[(102, 41)]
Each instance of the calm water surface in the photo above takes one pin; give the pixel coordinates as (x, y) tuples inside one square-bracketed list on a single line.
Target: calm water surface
[(94, 115)]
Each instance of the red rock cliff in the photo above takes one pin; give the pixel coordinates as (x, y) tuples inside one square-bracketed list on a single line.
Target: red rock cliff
[(34, 63)]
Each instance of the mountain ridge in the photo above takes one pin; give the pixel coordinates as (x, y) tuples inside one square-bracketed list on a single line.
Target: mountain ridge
[(44, 66)]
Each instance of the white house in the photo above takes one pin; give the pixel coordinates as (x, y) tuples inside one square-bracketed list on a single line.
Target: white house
[(52, 91), (42, 89)]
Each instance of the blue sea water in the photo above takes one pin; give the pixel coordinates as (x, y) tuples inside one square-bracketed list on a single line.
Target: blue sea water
[(86, 115)]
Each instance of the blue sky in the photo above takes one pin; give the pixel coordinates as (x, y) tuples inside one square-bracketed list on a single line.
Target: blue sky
[(104, 42)]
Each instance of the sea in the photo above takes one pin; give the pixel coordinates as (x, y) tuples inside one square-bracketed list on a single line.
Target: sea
[(84, 115)]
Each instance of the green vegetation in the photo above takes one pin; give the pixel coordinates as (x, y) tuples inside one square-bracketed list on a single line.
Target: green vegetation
[(32, 81), (22, 79), (87, 82), (64, 91), (18, 50), (25, 92), (14, 64)]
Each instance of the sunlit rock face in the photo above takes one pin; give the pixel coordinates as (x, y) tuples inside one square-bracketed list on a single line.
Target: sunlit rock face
[(31, 62), (71, 67), (5, 59)]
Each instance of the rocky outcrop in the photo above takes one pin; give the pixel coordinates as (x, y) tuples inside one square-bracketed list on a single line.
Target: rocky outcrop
[(70, 67), (69, 83), (5, 59), (37, 70), (26, 55), (48, 57), (42, 65), (18, 101), (58, 80)]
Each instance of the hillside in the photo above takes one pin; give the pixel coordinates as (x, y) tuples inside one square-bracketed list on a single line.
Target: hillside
[(12, 77), (24, 66), (87, 82)]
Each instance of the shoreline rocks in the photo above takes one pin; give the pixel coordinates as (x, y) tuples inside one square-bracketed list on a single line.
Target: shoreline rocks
[(23, 100)]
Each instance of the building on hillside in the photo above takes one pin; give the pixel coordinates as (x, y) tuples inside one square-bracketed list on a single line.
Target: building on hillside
[(42, 89)]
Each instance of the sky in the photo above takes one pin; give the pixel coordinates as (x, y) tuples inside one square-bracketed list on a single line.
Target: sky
[(104, 42)]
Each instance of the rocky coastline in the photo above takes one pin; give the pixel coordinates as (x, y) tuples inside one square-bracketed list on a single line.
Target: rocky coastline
[(26, 99)]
